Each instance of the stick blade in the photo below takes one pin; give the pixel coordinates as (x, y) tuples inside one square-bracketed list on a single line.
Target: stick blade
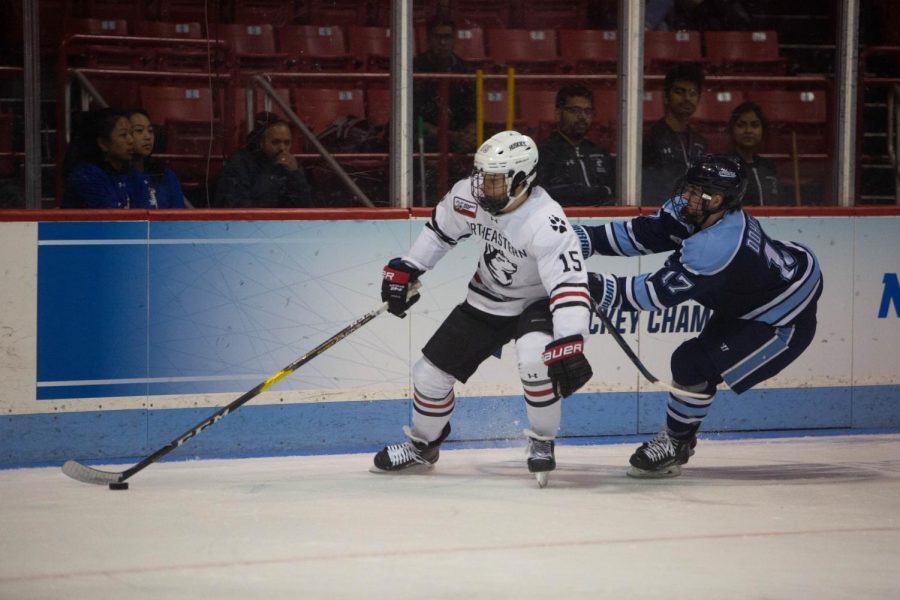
[(85, 474)]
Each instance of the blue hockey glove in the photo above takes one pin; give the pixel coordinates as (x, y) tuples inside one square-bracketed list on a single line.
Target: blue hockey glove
[(566, 365), (586, 247), (395, 286), (603, 288)]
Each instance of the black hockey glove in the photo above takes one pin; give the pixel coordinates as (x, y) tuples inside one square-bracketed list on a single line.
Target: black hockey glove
[(604, 290), (398, 277), (566, 365)]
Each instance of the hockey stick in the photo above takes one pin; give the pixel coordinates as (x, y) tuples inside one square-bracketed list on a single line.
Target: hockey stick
[(85, 474), (637, 362)]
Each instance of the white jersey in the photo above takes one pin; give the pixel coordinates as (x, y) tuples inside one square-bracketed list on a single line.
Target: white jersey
[(527, 255)]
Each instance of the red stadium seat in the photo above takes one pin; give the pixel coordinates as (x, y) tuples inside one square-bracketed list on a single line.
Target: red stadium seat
[(787, 106), (378, 105), (790, 113), (483, 13), (605, 107), (537, 111), (528, 50), (201, 11), (744, 51), (552, 14), (319, 107), (370, 47), (663, 48), (588, 50), (495, 107), (188, 114), (712, 116), (333, 12), (715, 106), (190, 31), (170, 57), (101, 55), (252, 46), (97, 26), (273, 12), (315, 47), (654, 109), (470, 46)]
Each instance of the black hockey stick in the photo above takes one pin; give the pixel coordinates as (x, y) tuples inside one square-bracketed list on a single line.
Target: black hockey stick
[(637, 362), (83, 473)]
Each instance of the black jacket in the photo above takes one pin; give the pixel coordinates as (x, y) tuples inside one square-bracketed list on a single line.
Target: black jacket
[(667, 155), (250, 180), (762, 183), (576, 175)]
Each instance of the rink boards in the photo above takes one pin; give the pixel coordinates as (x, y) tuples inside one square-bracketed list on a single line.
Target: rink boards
[(116, 336)]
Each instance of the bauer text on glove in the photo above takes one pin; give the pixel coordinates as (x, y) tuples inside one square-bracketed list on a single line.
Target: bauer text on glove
[(395, 286), (566, 365)]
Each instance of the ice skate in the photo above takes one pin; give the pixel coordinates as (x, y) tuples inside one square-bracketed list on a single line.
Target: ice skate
[(413, 455), (541, 459), (661, 457)]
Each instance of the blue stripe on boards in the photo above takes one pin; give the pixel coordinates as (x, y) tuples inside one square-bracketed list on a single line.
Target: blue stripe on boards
[(335, 427), (92, 231)]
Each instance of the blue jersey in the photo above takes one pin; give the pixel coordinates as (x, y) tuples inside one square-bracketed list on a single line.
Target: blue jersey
[(731, 267)]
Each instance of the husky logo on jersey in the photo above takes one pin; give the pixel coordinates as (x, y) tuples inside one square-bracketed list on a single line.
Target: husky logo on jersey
[(557, 224), (464, 207), (501, 268)]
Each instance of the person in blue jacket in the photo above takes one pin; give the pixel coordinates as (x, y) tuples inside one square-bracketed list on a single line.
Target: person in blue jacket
[(763, 294), (99, 172), (161, 186)]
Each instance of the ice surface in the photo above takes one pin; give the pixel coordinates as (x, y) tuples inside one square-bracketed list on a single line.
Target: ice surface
[(780, 518)]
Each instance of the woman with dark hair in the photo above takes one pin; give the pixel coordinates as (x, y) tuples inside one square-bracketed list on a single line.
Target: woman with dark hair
[(163, 190), (747, 128), (98, 171)]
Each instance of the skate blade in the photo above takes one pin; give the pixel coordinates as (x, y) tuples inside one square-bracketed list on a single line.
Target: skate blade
[(673, 471), (542, 478), (413, 470)]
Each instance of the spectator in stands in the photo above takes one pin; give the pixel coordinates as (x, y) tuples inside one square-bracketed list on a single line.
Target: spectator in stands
[(440, 58), (747, 128), (672, 145), (264, 174), (573, 169), (98, 167), (161, 184)]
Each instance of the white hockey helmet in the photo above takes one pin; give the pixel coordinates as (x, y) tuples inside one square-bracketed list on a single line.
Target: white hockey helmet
[(508, 153)]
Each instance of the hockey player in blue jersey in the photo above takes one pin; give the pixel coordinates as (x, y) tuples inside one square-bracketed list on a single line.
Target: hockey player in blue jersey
[(763, 294)]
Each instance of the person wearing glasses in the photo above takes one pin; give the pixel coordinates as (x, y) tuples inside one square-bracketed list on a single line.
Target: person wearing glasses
[(573, 169), (672, 145)]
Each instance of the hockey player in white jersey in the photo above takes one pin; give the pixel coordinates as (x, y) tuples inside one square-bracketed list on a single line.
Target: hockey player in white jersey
[(530, 286)]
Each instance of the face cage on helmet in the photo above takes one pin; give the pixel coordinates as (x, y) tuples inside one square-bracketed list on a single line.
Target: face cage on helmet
[(492, 206), (680, 203)]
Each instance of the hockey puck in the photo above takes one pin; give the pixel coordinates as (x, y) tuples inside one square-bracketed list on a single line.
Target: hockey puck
[(118, 485)]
